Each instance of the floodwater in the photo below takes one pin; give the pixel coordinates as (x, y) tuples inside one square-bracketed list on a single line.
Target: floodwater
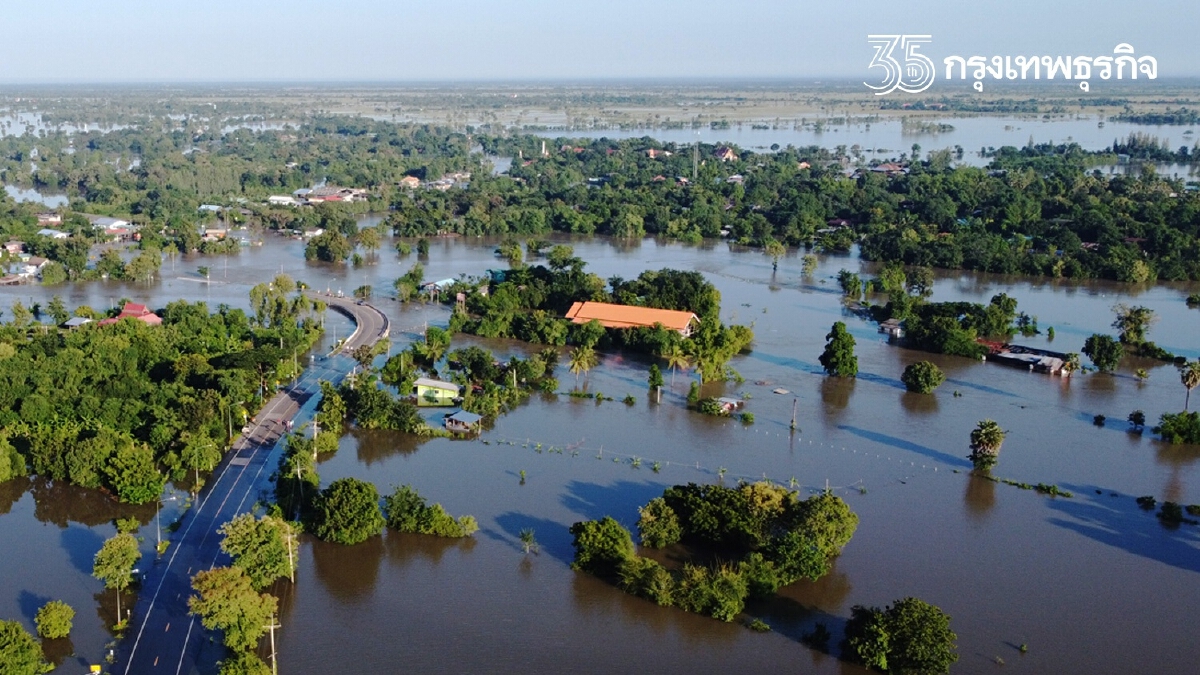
[(1090, 584), (31, 195)]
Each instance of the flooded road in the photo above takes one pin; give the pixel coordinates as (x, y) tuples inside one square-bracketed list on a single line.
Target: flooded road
[(1090, 584)]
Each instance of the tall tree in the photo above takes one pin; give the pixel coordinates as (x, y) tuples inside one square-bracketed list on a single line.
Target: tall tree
[(1133, 323), (114, 564), (676, 357), (986, 439), (774, 250), (225, 600), (1189, 375), (911, 637), (347, 512), (838, 359), (582, 360)]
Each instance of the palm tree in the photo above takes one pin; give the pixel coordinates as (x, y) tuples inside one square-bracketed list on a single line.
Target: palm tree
[(986, 439), (1189, 375), (676, 357), (582, 359)]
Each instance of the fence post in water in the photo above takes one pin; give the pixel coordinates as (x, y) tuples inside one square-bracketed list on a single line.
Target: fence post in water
[(794, 400)]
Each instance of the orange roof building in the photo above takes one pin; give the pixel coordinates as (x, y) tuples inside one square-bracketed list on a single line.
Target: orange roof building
[(133, 310), (628, 316)]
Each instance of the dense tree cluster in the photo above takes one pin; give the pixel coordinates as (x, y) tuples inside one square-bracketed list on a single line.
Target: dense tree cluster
[(124, 406), (772, 536), (909, 637), (407, 511)]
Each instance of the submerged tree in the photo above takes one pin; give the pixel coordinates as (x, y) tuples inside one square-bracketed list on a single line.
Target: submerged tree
[(114, 564), (225, 600), (774, 250), (922, 377), (986, 439), (1133, 323), (911, 636), (20, 654), (582, 359), (838, 359), (1104, 352), (347, 512)]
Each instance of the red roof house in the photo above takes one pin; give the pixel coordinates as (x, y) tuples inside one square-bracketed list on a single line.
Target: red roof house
[(133, 310)]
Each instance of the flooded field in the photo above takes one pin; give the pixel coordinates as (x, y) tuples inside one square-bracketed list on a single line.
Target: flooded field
[(1090, 583)]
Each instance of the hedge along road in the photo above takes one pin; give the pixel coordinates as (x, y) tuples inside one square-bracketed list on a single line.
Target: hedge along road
[(164, 638)]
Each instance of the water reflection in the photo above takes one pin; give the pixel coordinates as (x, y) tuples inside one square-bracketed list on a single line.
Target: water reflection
[(59, 650), (348, 572), (61, 504), (1177, 457), (980, 496), (11, 492), (835, 394), (404, 548), (919, 404)]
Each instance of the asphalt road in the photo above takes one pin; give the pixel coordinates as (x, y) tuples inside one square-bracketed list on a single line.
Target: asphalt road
[(164, 638)]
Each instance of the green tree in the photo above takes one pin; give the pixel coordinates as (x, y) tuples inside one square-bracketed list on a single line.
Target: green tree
[(910, 637), (114, 564), (423, 247), (850, 284), (582, 359), (58, 311), (828, 519), (363, 293), (225, 600), (53, 273), (677, 358), (1181, 427), (774, 249), (133, 475), (243, 663), (655, 379), (1104, 352), (838, 359), (54, 619), (601, 546), (922, 377), (21, 317), (407, 511), (1133, 323), (347, 512), (264, 549), (329, 246), (658, 526), (1189, 376), (20, 654), (986, 439), (368, 238), (808, 265)]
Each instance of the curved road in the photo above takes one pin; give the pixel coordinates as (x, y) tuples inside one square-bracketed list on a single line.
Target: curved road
[(163, 638)]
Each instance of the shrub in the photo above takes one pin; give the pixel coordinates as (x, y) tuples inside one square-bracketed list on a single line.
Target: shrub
[(719, 592), (1171, 513), (54, 619), (911, 636), (347, 512)]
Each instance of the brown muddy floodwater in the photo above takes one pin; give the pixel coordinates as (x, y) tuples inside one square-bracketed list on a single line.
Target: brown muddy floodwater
[(1091, 584)]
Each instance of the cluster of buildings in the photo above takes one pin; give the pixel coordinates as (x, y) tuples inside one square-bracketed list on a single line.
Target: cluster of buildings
[(319, 195), (460, 179)]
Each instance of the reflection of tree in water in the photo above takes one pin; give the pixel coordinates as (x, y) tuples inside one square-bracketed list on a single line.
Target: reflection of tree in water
[(919, 404), (835, 394), (403, 547), (11, 492), (1103, 384), (106, 606), (980, 496), (348, 572), (1178, 458), (60, 503), (58, 650), (377, 445)]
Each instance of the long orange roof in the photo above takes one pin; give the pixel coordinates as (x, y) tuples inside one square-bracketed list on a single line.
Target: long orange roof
[(628, 316)]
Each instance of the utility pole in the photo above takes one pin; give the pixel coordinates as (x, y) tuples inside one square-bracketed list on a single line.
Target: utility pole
[(271, 627), (794, 400)]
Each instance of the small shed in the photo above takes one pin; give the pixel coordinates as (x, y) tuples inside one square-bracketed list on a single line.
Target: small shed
[(75, 322), (892, 328), (430, 392), (463, 422)]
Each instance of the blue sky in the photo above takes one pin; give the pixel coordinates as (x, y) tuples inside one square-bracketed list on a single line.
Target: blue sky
[(396, 40)]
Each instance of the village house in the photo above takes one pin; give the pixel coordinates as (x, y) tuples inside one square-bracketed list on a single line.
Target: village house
[(330, 193), (410, 182), (33, 266), (49, 218), (430, 392), (892, 328), (14, 247), (75, 322), (105, 222), (52, 234), (628, 316), (463, 422), (725, 154), (282, 200), (133, 310)]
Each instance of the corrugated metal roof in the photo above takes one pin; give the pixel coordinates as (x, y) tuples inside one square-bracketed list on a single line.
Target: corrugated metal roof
[(628, 316)]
